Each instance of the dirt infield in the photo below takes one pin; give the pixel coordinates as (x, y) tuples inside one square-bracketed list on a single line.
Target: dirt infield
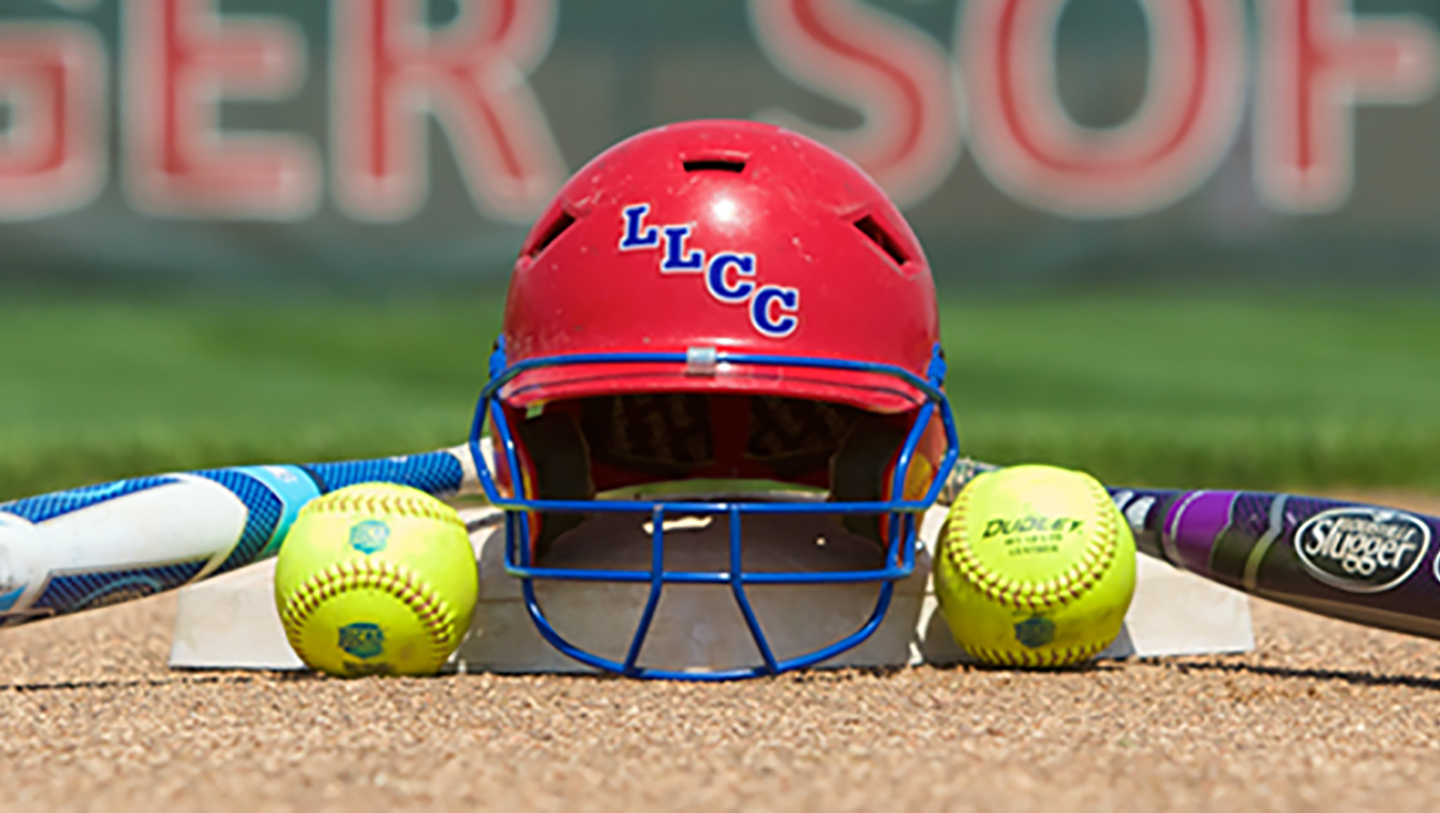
[(1322, 715)]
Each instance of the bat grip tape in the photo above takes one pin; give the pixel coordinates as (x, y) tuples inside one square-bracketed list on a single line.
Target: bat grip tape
[(293, 487)]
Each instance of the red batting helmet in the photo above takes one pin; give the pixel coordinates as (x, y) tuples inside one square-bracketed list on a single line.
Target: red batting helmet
[(719, 300)]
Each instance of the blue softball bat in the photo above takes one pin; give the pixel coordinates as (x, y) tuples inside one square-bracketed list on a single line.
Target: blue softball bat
[(103, 544)]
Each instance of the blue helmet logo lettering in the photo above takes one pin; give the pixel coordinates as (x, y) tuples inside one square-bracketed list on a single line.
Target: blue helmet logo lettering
[(635, 235), (675, 257), (770, 309), (744, 265), (731, 277)]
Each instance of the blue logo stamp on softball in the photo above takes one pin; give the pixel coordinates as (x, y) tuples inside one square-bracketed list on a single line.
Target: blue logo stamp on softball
[(1035, 632), (362, 639), (369, 536)]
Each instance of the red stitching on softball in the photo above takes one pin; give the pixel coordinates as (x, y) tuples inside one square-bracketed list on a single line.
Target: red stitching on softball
[(382, 504), (434, 613), (1045, 596)]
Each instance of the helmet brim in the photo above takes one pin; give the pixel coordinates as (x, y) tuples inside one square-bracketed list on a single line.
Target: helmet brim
[(870, 391)]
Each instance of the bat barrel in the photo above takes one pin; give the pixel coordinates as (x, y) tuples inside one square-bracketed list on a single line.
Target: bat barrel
[(99, 545), (1366, 563)]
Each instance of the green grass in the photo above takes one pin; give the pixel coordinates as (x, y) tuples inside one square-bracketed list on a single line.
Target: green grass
[(1152, 390), (1204, 392), (92, 392)]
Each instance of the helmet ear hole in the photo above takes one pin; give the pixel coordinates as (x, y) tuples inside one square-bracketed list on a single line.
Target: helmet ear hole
[(857, 471), (883, 240), (561, 461)]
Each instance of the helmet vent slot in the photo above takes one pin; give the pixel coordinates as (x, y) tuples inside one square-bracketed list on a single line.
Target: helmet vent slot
[(871, 228), (557, 226), (715, 165)]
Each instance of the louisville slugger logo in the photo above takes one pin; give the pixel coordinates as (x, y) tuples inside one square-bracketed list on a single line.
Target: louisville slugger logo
[(1362, 550)]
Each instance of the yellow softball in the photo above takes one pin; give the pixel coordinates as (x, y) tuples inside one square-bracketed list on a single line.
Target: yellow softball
[(1035, 567), (376, 579)]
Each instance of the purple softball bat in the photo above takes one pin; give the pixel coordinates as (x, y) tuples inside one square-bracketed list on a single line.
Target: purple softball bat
[(1357, 562)]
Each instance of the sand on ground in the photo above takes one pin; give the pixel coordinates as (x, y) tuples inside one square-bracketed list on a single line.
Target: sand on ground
[(1322, 715)]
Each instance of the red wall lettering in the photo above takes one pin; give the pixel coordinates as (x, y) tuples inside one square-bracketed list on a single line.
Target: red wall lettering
[(896, 75), (1318, 62), (52, 155), (1032, 149), (390, 68), (181, 59)]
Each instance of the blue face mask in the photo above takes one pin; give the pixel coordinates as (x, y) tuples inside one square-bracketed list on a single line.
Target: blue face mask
[(898, 517)]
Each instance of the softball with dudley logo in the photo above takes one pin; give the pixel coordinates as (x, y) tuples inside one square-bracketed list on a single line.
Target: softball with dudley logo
[(376, 579), (1035, 567)]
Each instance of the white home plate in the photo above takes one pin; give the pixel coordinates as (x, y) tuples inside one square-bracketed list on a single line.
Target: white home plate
[(230, 622)]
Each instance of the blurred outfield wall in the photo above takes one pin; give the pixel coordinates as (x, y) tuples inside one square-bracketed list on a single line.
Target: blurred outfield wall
[(382, 144)]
